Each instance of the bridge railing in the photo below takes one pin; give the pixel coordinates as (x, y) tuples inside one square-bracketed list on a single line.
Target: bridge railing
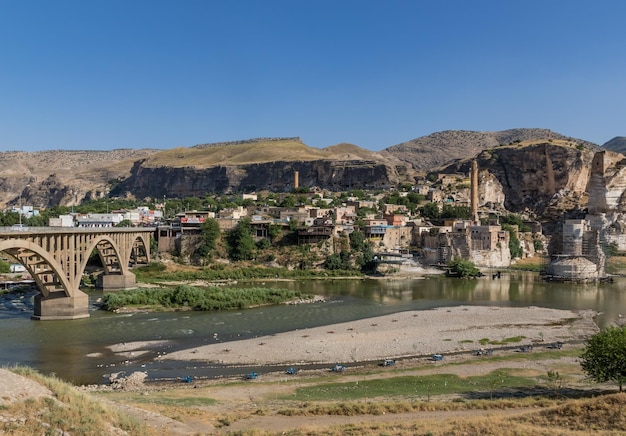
[(15, 230)]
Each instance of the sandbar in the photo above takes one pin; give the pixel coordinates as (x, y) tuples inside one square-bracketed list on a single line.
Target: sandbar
[(401, 335)]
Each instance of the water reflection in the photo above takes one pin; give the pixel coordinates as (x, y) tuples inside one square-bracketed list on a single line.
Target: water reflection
[(63, 347)]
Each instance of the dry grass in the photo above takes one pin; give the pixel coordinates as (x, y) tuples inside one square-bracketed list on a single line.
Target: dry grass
[(254, 152), (68, 412)]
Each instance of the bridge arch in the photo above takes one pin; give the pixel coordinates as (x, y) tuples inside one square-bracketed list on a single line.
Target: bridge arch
[(41, 265), (109, 254)]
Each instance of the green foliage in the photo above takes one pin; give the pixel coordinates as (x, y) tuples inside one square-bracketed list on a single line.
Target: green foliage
[(221, 272), (263, 244), (124, 223), (537, 244), (455, 212), (463, 268), (339, 261), (289, 200), (274, 231), (210, 234), (604, 357), (611, 249), (357, 240), (5, 268), (438, 384), (240, 241), (430, 210), (515, 220), (212, 298), (515, 246)]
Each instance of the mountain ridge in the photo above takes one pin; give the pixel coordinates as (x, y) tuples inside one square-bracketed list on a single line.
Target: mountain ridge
[(47, 178)]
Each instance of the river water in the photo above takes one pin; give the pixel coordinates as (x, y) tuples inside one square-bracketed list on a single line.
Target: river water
[(76, 350)]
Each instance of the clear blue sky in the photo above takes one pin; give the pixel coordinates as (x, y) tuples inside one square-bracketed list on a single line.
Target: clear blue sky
[(104, 74)]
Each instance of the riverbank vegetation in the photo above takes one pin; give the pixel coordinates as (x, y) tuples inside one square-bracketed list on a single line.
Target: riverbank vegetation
[(158, 272), (196, 298)]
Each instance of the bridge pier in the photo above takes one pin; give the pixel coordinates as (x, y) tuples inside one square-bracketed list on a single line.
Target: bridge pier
[(59, 306), (115, 282)]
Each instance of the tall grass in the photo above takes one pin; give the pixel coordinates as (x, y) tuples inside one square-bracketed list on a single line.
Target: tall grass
[(212, 298)]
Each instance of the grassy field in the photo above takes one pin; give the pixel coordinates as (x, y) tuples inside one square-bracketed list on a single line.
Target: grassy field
[(517, 394)]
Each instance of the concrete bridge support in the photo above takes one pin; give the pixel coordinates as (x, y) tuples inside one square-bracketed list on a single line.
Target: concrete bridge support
[(115, 282), (59, 306)]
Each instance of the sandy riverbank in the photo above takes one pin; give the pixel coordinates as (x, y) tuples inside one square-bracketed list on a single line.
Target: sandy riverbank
[(403, 334)]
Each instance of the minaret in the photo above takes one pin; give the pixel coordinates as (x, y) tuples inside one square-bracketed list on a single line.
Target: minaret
[(474, 192), (295, 180)]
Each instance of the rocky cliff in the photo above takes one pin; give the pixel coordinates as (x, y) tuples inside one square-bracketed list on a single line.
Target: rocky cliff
[(49, 178), (279, 176), (538, 177), (440, 148)]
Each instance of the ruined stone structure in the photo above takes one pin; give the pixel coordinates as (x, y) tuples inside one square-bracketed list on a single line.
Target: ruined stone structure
[(485, 246), (582, 258), (56, 259)]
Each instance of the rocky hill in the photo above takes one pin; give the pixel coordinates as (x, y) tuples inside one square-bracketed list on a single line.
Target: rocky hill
[(542, 178), (617, 144), (49, 178), (441, 148), (259, 164)]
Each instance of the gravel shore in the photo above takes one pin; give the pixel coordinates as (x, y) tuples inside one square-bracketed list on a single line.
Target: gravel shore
[(404, 334)]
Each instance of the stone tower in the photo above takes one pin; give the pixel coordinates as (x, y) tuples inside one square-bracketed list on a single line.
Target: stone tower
[(474, 192)]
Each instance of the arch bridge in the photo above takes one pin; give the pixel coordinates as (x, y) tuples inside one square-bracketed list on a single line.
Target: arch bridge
[(56, 258)]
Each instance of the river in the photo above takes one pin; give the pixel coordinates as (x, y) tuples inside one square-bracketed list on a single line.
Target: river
[(76, 350)]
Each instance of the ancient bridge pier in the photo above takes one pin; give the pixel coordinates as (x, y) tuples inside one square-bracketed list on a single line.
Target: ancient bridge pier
[(56, 258)]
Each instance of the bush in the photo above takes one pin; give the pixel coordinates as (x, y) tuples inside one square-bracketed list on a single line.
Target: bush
[(463, 268), (604, 357)]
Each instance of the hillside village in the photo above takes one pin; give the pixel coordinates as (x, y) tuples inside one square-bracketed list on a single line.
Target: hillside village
[(432, 223), (518, 200)]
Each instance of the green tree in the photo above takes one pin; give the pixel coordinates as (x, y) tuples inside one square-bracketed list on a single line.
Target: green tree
[(463, 268), (338, 261), (604, 357), (430, 210), (210, 234), (357, 240), (5, 268), (455, 212), (240, 241), (515, 246), (274, 231), (289, 201)]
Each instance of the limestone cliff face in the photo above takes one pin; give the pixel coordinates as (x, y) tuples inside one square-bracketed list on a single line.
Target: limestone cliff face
[(543, 178), (607, 197), (607, 184), (490, 191), (273, 176)]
